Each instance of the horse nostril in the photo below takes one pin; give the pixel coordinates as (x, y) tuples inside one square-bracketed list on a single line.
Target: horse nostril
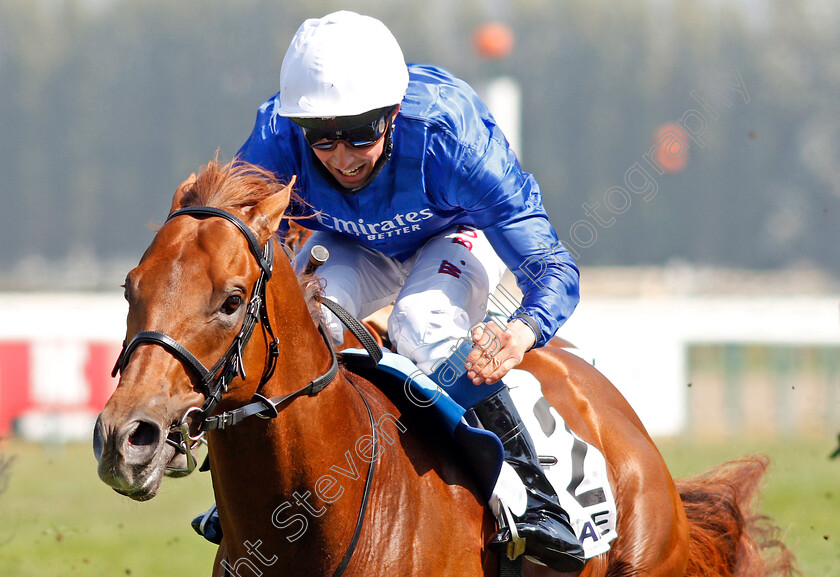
[(98, 442), (144, 434)]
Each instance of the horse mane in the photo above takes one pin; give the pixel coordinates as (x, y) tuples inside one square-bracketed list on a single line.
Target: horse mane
[(236, 185), (233, 185)]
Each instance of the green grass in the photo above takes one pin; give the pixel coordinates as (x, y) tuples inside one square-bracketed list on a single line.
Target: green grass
[(60, 520), (57, 519)]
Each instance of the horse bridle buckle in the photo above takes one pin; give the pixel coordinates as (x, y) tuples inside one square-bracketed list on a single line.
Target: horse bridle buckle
[(224, 420)]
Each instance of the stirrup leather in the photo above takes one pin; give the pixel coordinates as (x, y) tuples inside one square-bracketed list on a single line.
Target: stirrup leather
[(507, 535)]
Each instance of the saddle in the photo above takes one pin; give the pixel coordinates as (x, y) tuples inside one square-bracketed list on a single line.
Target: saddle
[(576, 469)]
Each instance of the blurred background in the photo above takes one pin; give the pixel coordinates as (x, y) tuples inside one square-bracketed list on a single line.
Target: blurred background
[(688, 153)]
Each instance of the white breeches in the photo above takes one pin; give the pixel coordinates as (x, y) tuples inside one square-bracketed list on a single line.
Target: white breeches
[(439, 293)]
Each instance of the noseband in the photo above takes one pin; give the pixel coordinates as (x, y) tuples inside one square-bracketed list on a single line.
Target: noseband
[(214, 382)]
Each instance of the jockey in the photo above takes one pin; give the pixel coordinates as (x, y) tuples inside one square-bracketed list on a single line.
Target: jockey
[(413, 189)]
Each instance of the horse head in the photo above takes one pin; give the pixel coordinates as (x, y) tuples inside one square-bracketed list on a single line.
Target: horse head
[(190, 299)]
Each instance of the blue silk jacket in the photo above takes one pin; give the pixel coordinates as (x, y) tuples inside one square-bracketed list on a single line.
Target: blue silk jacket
[(450, 164)]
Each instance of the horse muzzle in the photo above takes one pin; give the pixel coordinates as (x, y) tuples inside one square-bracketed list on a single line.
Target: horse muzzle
[(132, 455)]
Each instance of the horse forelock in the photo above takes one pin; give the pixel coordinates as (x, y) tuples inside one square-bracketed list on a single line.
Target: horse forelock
[(231, 186), (237, 185)]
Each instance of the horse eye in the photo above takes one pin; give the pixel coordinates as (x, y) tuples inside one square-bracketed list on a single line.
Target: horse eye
[(125, 291), (232, 303)]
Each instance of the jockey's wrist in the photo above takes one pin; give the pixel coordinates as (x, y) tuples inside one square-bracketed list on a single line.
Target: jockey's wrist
[(528, 322)]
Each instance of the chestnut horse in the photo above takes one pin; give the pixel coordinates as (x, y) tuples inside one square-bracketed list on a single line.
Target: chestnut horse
[(338, 477)]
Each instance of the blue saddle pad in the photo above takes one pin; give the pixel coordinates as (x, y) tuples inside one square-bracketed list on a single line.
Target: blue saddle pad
[(397, 375)]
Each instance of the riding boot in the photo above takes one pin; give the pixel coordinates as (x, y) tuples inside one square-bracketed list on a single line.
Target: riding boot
[(208, 525), (544, 525)]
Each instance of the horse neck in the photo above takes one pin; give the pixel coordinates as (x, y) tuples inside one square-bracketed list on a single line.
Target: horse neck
[(267, 472)]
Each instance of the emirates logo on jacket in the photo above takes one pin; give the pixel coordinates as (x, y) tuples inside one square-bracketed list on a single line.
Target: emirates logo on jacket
[(399, 224)]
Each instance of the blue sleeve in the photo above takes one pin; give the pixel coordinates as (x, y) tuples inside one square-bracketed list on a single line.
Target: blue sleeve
[(544, 271), (263, 145), (269, 146), (480, 172)]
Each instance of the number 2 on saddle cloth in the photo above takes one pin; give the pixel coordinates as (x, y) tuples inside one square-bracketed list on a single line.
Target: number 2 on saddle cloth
[(576, 470)]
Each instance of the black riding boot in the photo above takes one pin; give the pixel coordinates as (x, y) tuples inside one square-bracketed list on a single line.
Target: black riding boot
[(208, 525), (544, 525)]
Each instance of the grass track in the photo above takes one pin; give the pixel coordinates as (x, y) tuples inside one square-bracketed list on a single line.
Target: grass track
[(58, 520)]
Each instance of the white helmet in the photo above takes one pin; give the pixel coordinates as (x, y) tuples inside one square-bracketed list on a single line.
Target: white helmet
[(343, 64)]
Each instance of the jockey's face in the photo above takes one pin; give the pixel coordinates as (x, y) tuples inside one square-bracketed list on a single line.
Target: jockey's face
[(351, 166)]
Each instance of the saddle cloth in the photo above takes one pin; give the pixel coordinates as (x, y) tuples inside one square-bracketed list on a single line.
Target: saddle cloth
[(576, 469)]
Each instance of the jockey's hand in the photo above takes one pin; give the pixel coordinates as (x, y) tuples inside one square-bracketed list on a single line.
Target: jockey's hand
[(497, 350)]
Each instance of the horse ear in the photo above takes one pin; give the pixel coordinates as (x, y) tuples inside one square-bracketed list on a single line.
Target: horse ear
[(180, 192), (264, 217)]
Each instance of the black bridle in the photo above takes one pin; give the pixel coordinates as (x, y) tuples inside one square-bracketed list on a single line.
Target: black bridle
[(214, 382)]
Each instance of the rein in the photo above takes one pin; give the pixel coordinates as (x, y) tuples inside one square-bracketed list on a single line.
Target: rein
[(269, 408), (215, 381)]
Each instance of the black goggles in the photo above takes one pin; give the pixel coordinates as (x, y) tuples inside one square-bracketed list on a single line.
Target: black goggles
[(327, 135)]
